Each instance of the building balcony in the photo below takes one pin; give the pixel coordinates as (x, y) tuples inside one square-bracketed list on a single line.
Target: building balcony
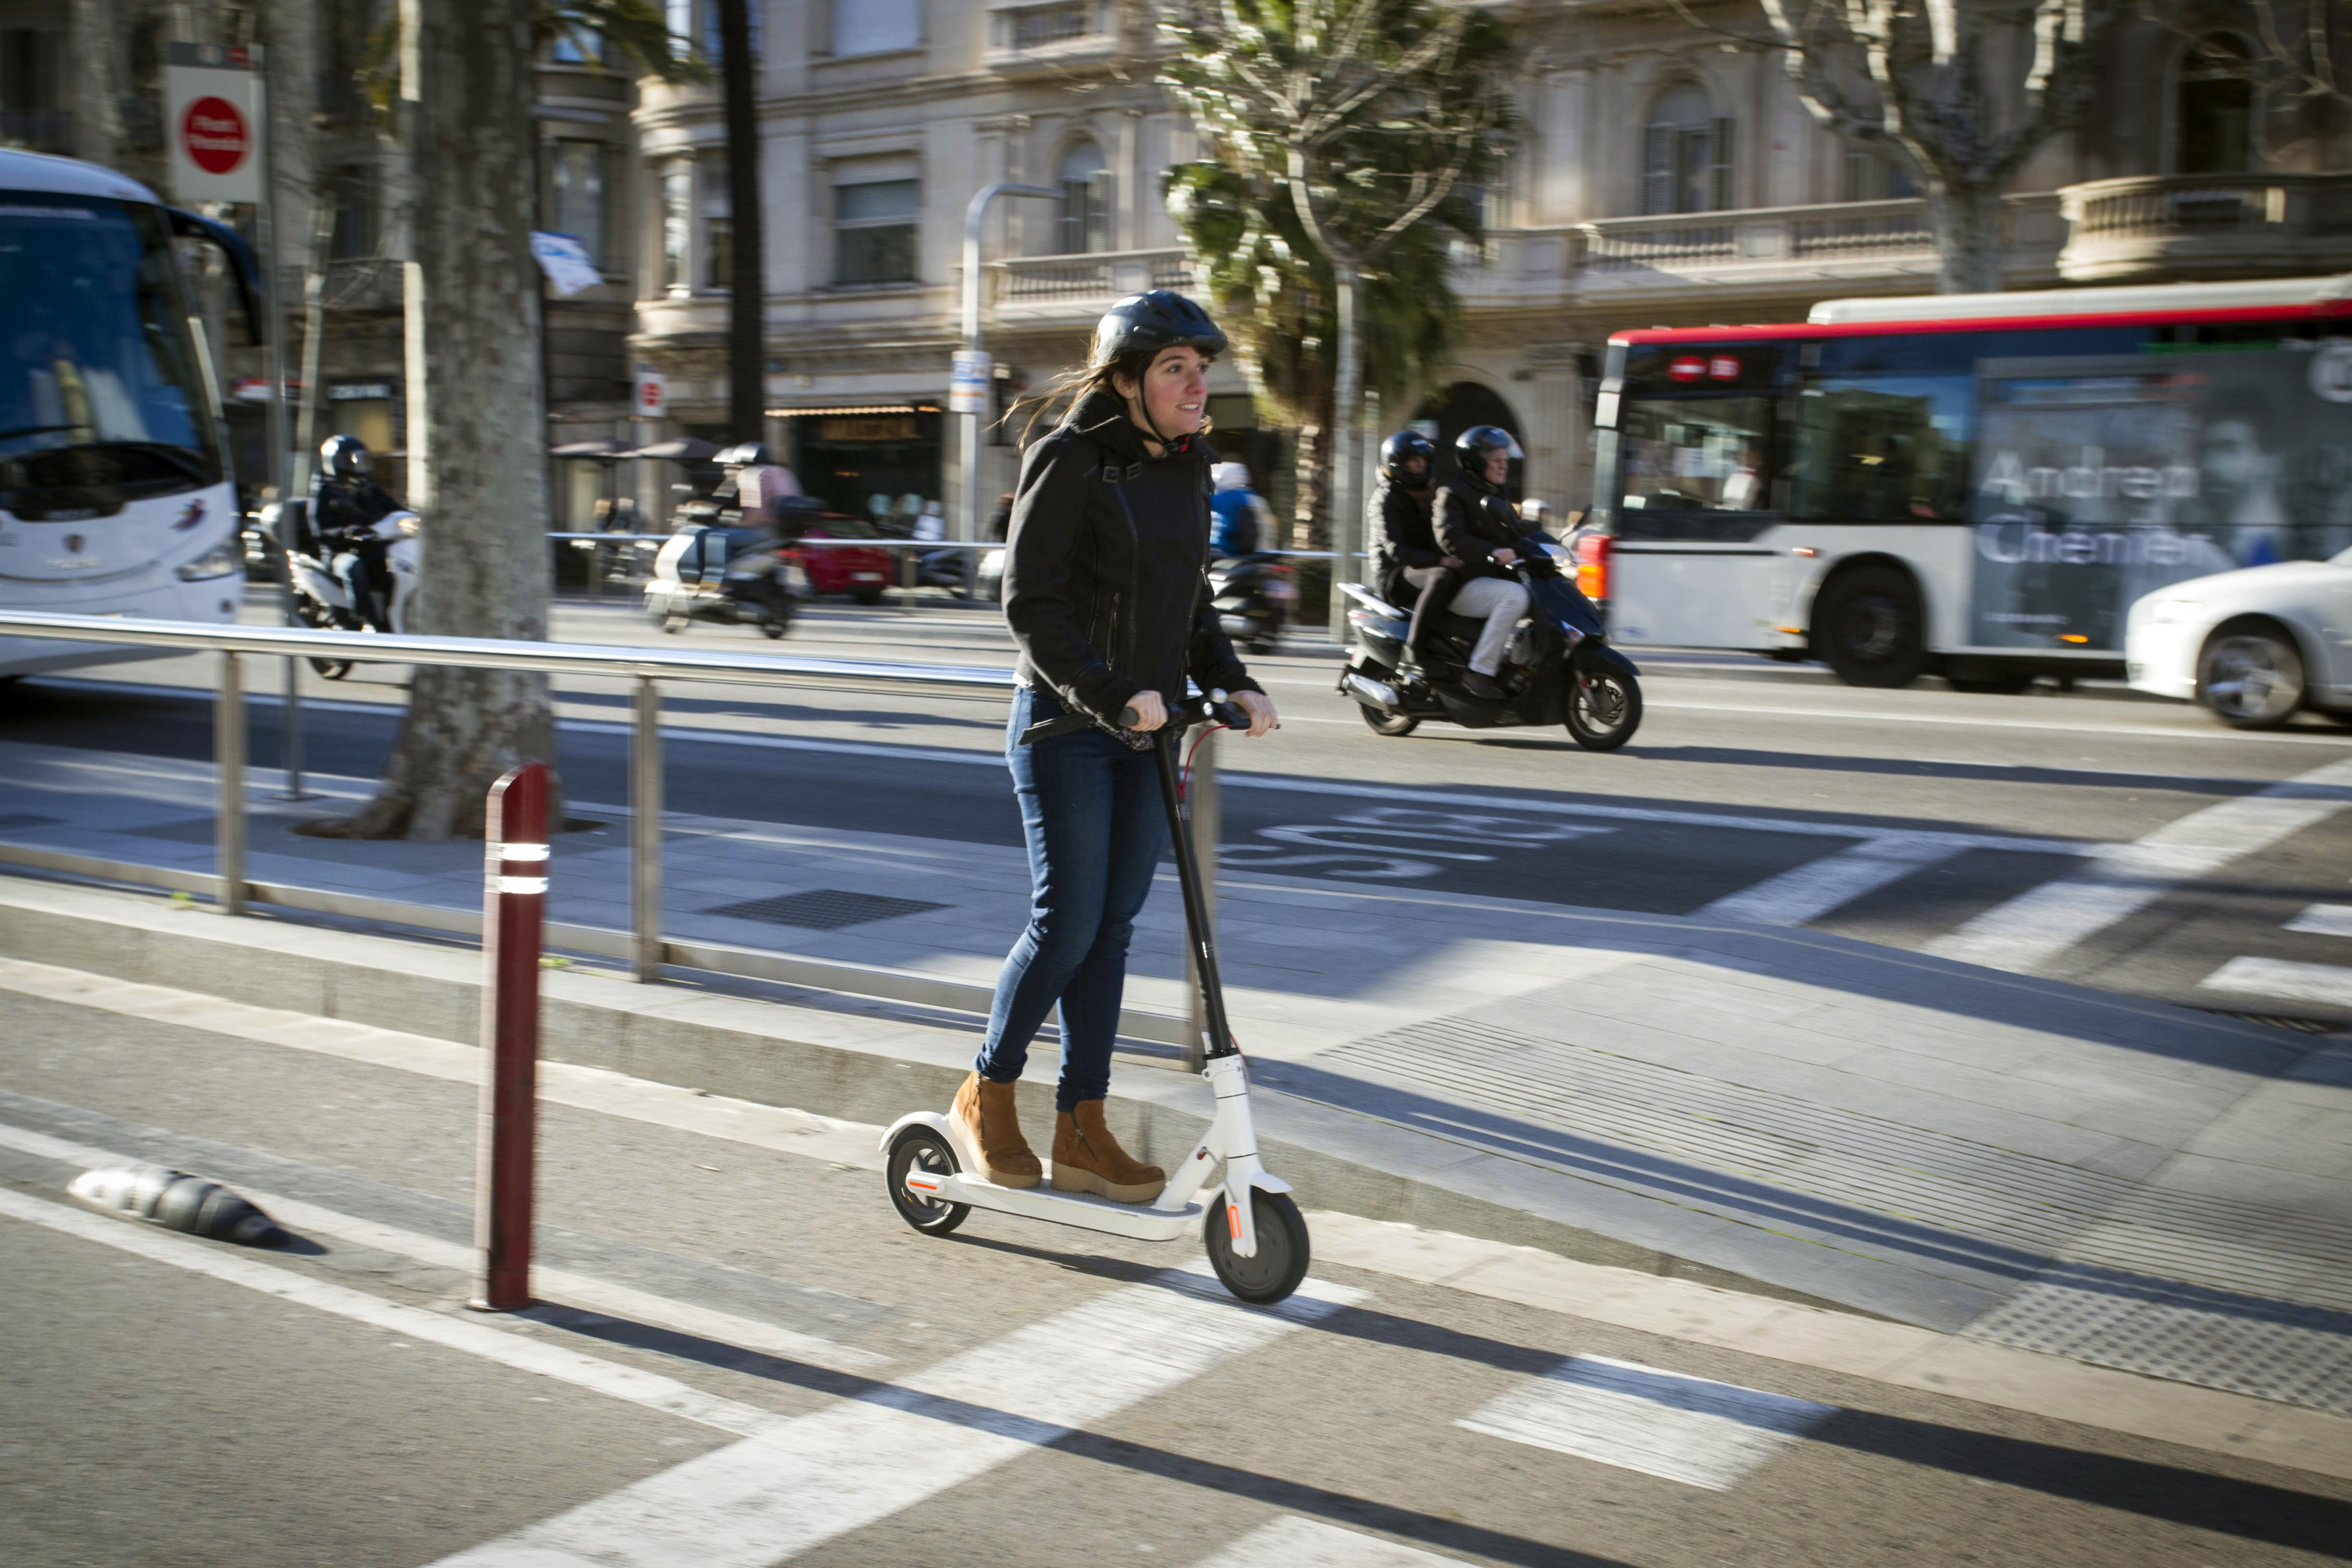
[(1073, 290), (2157, 227)]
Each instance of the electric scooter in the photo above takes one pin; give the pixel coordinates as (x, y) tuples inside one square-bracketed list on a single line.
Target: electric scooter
[(1253, 1233)]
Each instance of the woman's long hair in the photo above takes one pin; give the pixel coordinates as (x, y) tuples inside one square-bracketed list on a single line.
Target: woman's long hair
[(1075, 385)]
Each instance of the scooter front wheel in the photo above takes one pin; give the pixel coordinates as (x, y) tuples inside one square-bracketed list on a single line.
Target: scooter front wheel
[(920, 1148), (1390, 723), (1603, 708), (1282, 1248)]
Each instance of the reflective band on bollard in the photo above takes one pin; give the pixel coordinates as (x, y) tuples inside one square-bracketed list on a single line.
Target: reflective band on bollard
[(513, 909)]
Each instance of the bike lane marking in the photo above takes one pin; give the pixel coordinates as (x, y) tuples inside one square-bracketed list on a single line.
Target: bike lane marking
[(781, 1494), (1292, 1542), (2028, 931)]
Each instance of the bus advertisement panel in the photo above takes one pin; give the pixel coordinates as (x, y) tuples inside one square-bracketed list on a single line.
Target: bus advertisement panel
[(2099, 480)]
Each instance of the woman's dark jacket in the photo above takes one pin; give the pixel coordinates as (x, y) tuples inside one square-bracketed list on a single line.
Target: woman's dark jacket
[(1401, 538), (1471, 524), (1105, 571)]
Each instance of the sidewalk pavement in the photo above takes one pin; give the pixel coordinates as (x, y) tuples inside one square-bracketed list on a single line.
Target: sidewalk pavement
[(2016, 1159)]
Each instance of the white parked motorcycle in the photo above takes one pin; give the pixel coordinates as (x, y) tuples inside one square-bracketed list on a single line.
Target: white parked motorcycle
[(324, 597)]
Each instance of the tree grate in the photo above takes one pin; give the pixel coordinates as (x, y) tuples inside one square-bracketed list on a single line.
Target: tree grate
[(823, 909)]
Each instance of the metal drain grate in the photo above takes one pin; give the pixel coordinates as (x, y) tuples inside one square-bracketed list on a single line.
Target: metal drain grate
[(2277, 1021), (823, 909)]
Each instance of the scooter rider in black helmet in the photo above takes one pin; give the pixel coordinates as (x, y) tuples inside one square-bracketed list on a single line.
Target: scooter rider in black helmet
[(1475, 525), (1405, 556), (346, 503)]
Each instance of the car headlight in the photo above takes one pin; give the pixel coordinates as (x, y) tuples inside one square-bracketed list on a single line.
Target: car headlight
[(223, 558), (2172, 611)]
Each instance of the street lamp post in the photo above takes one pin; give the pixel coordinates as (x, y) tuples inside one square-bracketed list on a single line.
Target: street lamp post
[(974, 216)]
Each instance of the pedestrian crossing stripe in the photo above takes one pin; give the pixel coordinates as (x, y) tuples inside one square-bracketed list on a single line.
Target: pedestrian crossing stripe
[(1688, 1430)]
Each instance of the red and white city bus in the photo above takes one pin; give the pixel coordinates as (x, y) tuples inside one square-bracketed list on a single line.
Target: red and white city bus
[(1980, 483)]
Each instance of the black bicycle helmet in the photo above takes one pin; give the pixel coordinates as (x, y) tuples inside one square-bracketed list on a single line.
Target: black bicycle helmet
[(1400, 449), (1472, 447), (747, 454), (1149, 323), (343, 457)]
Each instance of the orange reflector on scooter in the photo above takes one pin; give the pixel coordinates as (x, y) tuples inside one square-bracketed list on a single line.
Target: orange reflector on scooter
[(1233, 1219)]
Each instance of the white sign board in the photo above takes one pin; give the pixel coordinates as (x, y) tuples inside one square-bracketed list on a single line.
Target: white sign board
[(565, 260), (651, 398), (214, 116), (967, 387)]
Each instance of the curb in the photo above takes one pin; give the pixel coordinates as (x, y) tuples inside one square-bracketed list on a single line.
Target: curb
[(834, 1056)]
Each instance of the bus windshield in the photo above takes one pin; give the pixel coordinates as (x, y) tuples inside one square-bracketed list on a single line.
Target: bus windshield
[(102, 396)]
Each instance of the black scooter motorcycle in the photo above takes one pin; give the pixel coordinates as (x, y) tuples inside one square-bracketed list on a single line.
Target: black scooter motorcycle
[(1559, 670)]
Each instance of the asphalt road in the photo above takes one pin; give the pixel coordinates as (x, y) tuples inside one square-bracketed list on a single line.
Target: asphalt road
[(1016, 1394), (2089, 834)]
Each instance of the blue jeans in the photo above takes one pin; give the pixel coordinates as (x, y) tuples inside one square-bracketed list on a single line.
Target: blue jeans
[(1091, 812)]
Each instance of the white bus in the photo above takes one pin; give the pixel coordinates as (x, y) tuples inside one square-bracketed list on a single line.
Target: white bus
[(1975, 484), (116, 497)]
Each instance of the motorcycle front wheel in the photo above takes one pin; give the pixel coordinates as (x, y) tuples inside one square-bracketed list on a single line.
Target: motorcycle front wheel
[(1603, 708)]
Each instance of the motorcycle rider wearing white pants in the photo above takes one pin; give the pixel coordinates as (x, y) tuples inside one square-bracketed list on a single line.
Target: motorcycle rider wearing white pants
[(1474, 524)]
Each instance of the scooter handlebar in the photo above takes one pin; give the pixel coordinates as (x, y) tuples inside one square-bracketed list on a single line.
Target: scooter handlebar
[(1212, 707)]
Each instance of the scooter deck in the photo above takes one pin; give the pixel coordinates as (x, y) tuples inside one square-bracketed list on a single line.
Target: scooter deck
[(1140, 1221)]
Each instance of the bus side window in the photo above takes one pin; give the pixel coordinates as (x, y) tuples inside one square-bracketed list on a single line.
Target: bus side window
[(1882, 448)]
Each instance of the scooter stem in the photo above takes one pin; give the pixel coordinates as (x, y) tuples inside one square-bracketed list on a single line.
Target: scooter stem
[(1196, 906)]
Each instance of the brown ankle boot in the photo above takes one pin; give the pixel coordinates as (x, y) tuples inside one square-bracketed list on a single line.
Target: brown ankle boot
[(1086, 1158), (985, 1109)]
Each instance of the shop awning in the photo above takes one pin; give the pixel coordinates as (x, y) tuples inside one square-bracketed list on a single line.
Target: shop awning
[(853, 408)]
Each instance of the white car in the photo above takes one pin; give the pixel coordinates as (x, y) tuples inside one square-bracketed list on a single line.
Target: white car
[(2254, 645)]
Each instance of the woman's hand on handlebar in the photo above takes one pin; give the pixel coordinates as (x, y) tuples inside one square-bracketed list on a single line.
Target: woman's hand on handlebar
[(1150, 711), (1260, 708)]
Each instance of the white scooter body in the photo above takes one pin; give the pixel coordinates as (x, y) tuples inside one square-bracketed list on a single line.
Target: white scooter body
[(328, 585), (1228, 1153)]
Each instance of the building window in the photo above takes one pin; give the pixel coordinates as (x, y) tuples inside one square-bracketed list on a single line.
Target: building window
[(2213, 106), (1685, 156), (678, 14), (578, 173), (351, 188), (714, 42), (870, 26), (578, 46), (678, 227), (1874, 177), (1086, 200), (718, 226), (1035, 26), (874, 232)]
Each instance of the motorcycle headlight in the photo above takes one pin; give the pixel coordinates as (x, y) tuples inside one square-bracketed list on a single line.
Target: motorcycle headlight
[(407, 525), (2172, 611), (221, 561)]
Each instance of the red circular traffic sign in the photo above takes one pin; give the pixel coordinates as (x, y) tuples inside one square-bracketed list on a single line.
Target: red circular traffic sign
[(214, 131), (1685, 368)]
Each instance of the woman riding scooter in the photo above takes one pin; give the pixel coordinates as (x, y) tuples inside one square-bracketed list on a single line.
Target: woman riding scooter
[(1102, 590), (1475, 526)]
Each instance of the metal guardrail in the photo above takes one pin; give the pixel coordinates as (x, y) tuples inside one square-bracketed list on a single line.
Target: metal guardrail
[(644, 947)]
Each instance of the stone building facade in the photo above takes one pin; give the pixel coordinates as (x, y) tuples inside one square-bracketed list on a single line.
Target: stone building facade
[(1667, 173)]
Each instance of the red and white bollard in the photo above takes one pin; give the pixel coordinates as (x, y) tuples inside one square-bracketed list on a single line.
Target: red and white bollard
[(514, 905)]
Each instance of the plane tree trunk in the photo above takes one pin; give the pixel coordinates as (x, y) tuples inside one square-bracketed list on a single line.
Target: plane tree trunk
[(477, 420)]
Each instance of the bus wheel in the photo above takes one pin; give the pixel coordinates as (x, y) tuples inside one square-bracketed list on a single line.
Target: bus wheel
[(1867, 628), (2252, 676)]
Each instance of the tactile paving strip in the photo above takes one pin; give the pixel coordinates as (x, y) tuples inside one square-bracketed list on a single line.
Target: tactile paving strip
[(823, 909), (2273, 1351), (2184, 1285)]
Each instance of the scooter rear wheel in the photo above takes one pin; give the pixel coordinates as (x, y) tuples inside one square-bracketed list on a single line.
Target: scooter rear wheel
[(1380, 723), (920, 1148), (1282, 1249)]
